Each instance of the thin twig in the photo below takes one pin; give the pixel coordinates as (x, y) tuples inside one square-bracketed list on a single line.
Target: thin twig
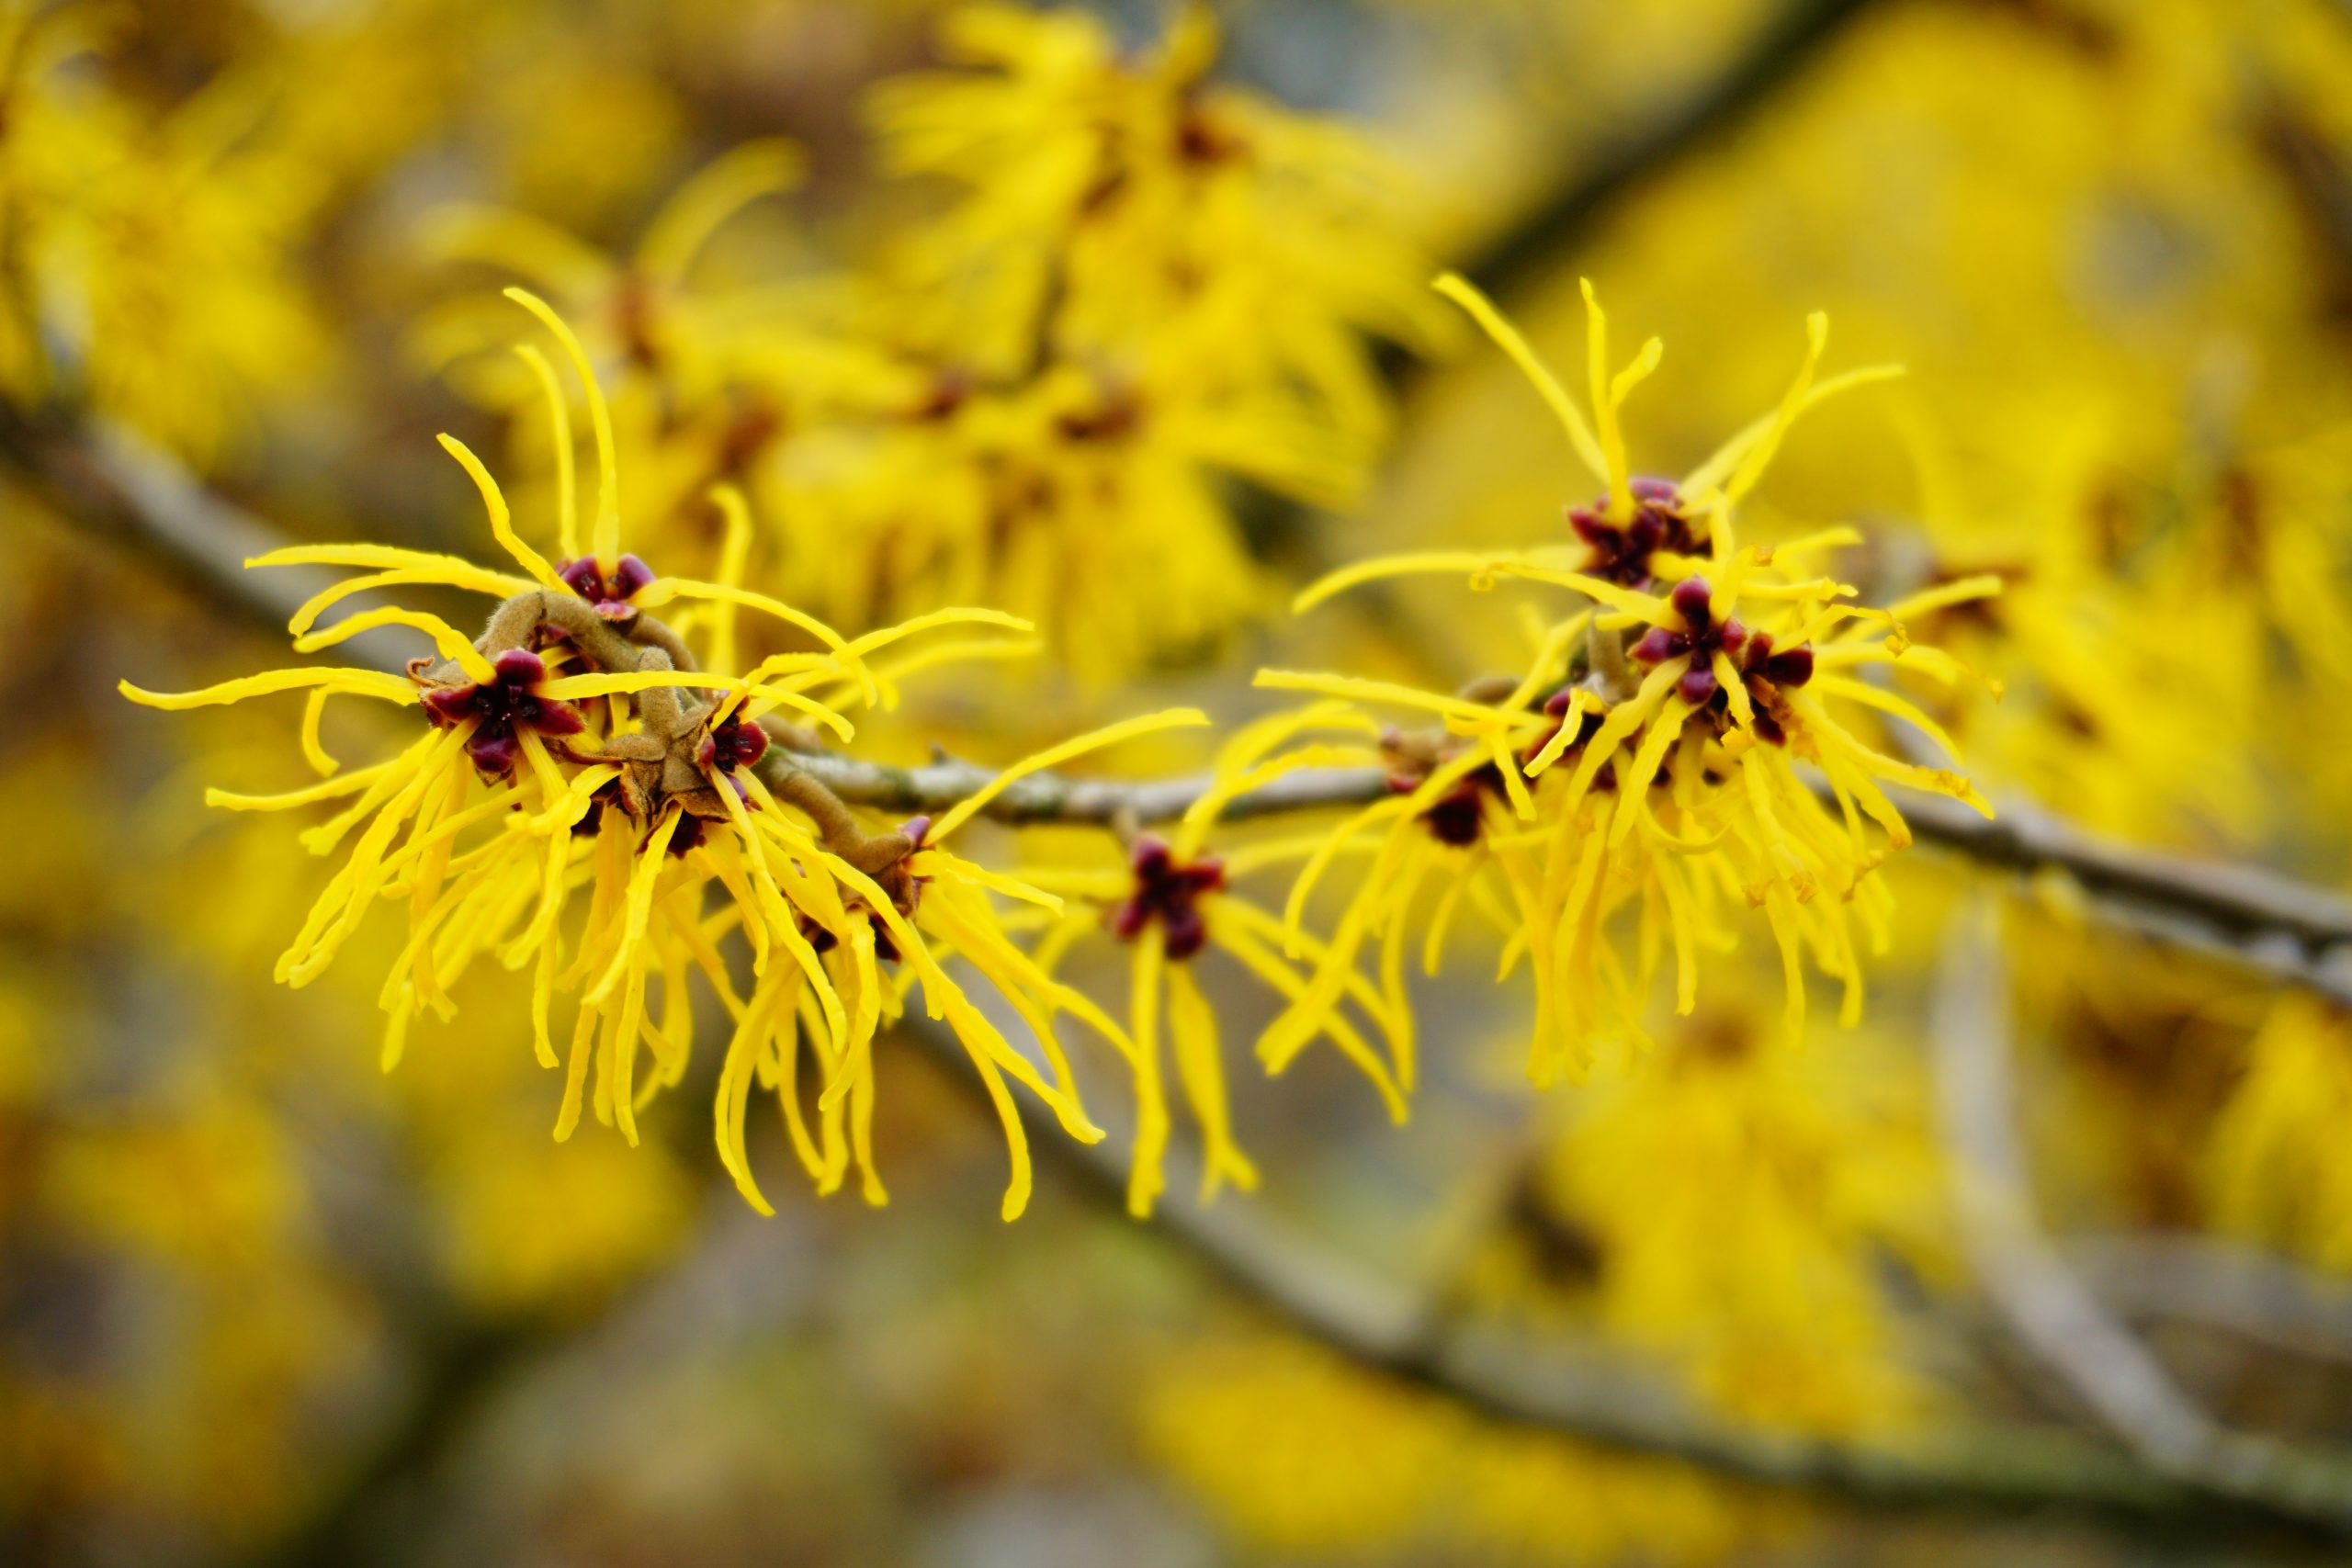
[(1781, 50), (2284, 928), (105, 479), (2054, 1314), (2181, 1277)]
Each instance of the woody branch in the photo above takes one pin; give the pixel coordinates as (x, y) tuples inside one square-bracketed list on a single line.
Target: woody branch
[(2272, 924)]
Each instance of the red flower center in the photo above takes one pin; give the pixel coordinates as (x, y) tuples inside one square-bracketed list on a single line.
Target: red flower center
[(1621, 553), (503, 706), (609, 592), (1170, 891)]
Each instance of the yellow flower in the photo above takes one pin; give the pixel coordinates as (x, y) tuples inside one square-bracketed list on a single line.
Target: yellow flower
[(1680, 796), (2274, 1167), (1111, 200), (578, 750), (1304, 1457), (1143, 286), (843, 923), (1175, 901), (151, 255), (1756, 1270)]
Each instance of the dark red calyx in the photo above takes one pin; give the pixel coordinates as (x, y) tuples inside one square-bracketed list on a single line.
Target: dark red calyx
[(1703, 638), (1789, 666), (1457, 816), (1118, 415), (502, 706), (1621, 552), (733, 744), (1170, 891), (610, 592), (1764, 671), (1693, 600)]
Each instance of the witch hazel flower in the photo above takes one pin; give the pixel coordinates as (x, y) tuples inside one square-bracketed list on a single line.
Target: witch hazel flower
[(511, 701), (1168, 890)]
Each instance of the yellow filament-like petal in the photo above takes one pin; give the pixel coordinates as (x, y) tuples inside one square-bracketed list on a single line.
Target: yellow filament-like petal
[(1862, 692), (1633, 785), (603, 682), (734, 550), (956, 615), (1734, 690), (708, 198), (1709, 474), (1759, 456), (360, 683), (1604, 411), (669, 588), (1480, 566), (325, 789), (430, 567), (314, 750), (1623, 720), (936, 863), (605, 538), (501, 520), (966, 809), (453, 643), (1262, 961), (1983, 585), (566, 479), (1365, 690), (1240, 770), (1191, 1028), (1145, 1180), (1507, 338), (498, 585), (1581, 702), (1645, 607)]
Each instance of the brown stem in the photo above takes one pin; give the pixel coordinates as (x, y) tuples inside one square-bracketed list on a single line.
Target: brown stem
[(657, 634)]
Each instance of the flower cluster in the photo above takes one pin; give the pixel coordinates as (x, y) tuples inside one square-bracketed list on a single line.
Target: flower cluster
[(151, 258), (1613, 804), (1127, 284), (588, 801)]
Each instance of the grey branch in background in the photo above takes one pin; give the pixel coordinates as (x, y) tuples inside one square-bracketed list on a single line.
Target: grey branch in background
[(1788, 42), (104, 478), (1393, 1327), (2049, 1308)]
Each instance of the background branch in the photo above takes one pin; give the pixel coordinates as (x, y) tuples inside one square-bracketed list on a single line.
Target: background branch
[(1790, 41), (2053, 1312), (103, 478), (2184, 1277), (1412, 1335)]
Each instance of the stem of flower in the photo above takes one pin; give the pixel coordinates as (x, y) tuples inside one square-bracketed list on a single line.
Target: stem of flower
[(1605, 652)]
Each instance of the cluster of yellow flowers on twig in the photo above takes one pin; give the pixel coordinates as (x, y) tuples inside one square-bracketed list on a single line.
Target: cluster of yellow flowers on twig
[(602, 799)]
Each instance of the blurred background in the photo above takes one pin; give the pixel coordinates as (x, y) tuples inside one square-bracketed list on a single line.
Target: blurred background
[(1119, 316)]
